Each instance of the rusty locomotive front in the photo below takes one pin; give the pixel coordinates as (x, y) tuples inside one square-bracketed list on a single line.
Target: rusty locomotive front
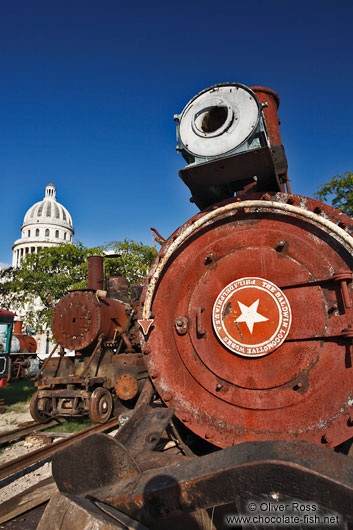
[(246, 333)]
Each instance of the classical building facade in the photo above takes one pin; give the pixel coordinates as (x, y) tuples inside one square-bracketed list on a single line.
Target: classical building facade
[(46, 224)]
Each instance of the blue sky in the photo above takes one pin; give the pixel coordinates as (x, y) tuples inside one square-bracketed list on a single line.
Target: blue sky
[(88, 92)]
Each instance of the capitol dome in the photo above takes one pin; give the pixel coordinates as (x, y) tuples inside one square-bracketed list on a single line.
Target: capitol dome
[(47, 223)]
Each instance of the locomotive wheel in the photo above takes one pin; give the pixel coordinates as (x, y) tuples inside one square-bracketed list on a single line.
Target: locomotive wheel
[(40, 415), (100, 406)]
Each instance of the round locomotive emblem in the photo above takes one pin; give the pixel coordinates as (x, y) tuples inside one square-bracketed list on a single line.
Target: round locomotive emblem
[(251, 317)]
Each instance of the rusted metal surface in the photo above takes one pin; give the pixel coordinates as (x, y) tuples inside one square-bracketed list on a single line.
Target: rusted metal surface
[(100, 405), (127, 430), (20, 341), (81, 317), (95, 273), (126, 386), (135, 292), (242, 390), (101, 327), (73, 512), (17, 327), (271, 98), (68, 383), (23, 344), (125, 456), (295, 470)]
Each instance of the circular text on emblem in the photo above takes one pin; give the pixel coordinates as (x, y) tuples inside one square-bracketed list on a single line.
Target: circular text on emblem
[(251, 317)]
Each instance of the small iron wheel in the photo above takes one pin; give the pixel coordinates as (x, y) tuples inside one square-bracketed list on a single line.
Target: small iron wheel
[(43, 414), (100, 405)]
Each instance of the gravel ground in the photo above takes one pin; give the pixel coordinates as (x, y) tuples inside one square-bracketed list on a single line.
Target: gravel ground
[(9, 421)]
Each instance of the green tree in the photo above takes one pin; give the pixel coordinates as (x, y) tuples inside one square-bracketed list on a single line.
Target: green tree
[(339, 191), (134, 262), (43, 278)]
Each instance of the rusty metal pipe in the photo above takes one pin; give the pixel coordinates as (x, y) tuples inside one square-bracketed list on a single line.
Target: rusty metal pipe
[(95, 272), (270, 98), (266, 95), (98, 345), (17, 327)]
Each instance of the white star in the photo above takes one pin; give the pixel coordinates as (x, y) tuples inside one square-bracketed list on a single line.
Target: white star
[(249, 315)]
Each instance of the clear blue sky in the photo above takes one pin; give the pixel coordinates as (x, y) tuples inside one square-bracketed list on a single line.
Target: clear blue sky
[(89, 88)]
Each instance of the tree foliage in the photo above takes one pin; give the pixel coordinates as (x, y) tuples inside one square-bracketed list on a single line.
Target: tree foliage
[(339, 191), (37, 285), (134, 262)]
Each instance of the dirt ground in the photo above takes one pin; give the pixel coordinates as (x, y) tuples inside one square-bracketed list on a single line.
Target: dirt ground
[(9, 421)]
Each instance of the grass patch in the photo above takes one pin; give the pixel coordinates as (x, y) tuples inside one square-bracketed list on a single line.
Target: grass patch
[(72, 425), (17, 395), (19, 407)]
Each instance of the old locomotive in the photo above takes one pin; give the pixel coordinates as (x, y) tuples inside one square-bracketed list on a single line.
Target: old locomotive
[(107, 371), (246, 334)]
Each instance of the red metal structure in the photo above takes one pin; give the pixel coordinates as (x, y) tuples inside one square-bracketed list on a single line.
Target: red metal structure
[(26, 343)]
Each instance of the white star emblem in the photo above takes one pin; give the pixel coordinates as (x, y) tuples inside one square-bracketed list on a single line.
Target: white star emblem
[(249, 315)]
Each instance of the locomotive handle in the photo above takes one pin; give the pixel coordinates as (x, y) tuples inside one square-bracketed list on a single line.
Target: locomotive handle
[(199, 327)]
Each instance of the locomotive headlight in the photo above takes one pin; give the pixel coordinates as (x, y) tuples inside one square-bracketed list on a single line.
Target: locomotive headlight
[(220, 120)]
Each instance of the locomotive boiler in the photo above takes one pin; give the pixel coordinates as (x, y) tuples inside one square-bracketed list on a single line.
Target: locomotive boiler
[(246, 332), (106, 372)]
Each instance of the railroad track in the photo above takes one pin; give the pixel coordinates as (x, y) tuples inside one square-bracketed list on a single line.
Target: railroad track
[(24, 461), (25, 430)]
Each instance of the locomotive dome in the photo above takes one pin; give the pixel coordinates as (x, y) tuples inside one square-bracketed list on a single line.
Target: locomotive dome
[(47, 223)]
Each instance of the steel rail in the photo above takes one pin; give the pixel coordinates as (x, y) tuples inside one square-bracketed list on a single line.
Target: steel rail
[(16, 434), (20, 463)]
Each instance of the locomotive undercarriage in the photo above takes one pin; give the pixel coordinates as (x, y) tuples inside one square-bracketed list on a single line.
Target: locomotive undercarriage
[(72, 388)]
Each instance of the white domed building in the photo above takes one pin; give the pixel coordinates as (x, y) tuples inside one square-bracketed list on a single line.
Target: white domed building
[(46, 224)]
